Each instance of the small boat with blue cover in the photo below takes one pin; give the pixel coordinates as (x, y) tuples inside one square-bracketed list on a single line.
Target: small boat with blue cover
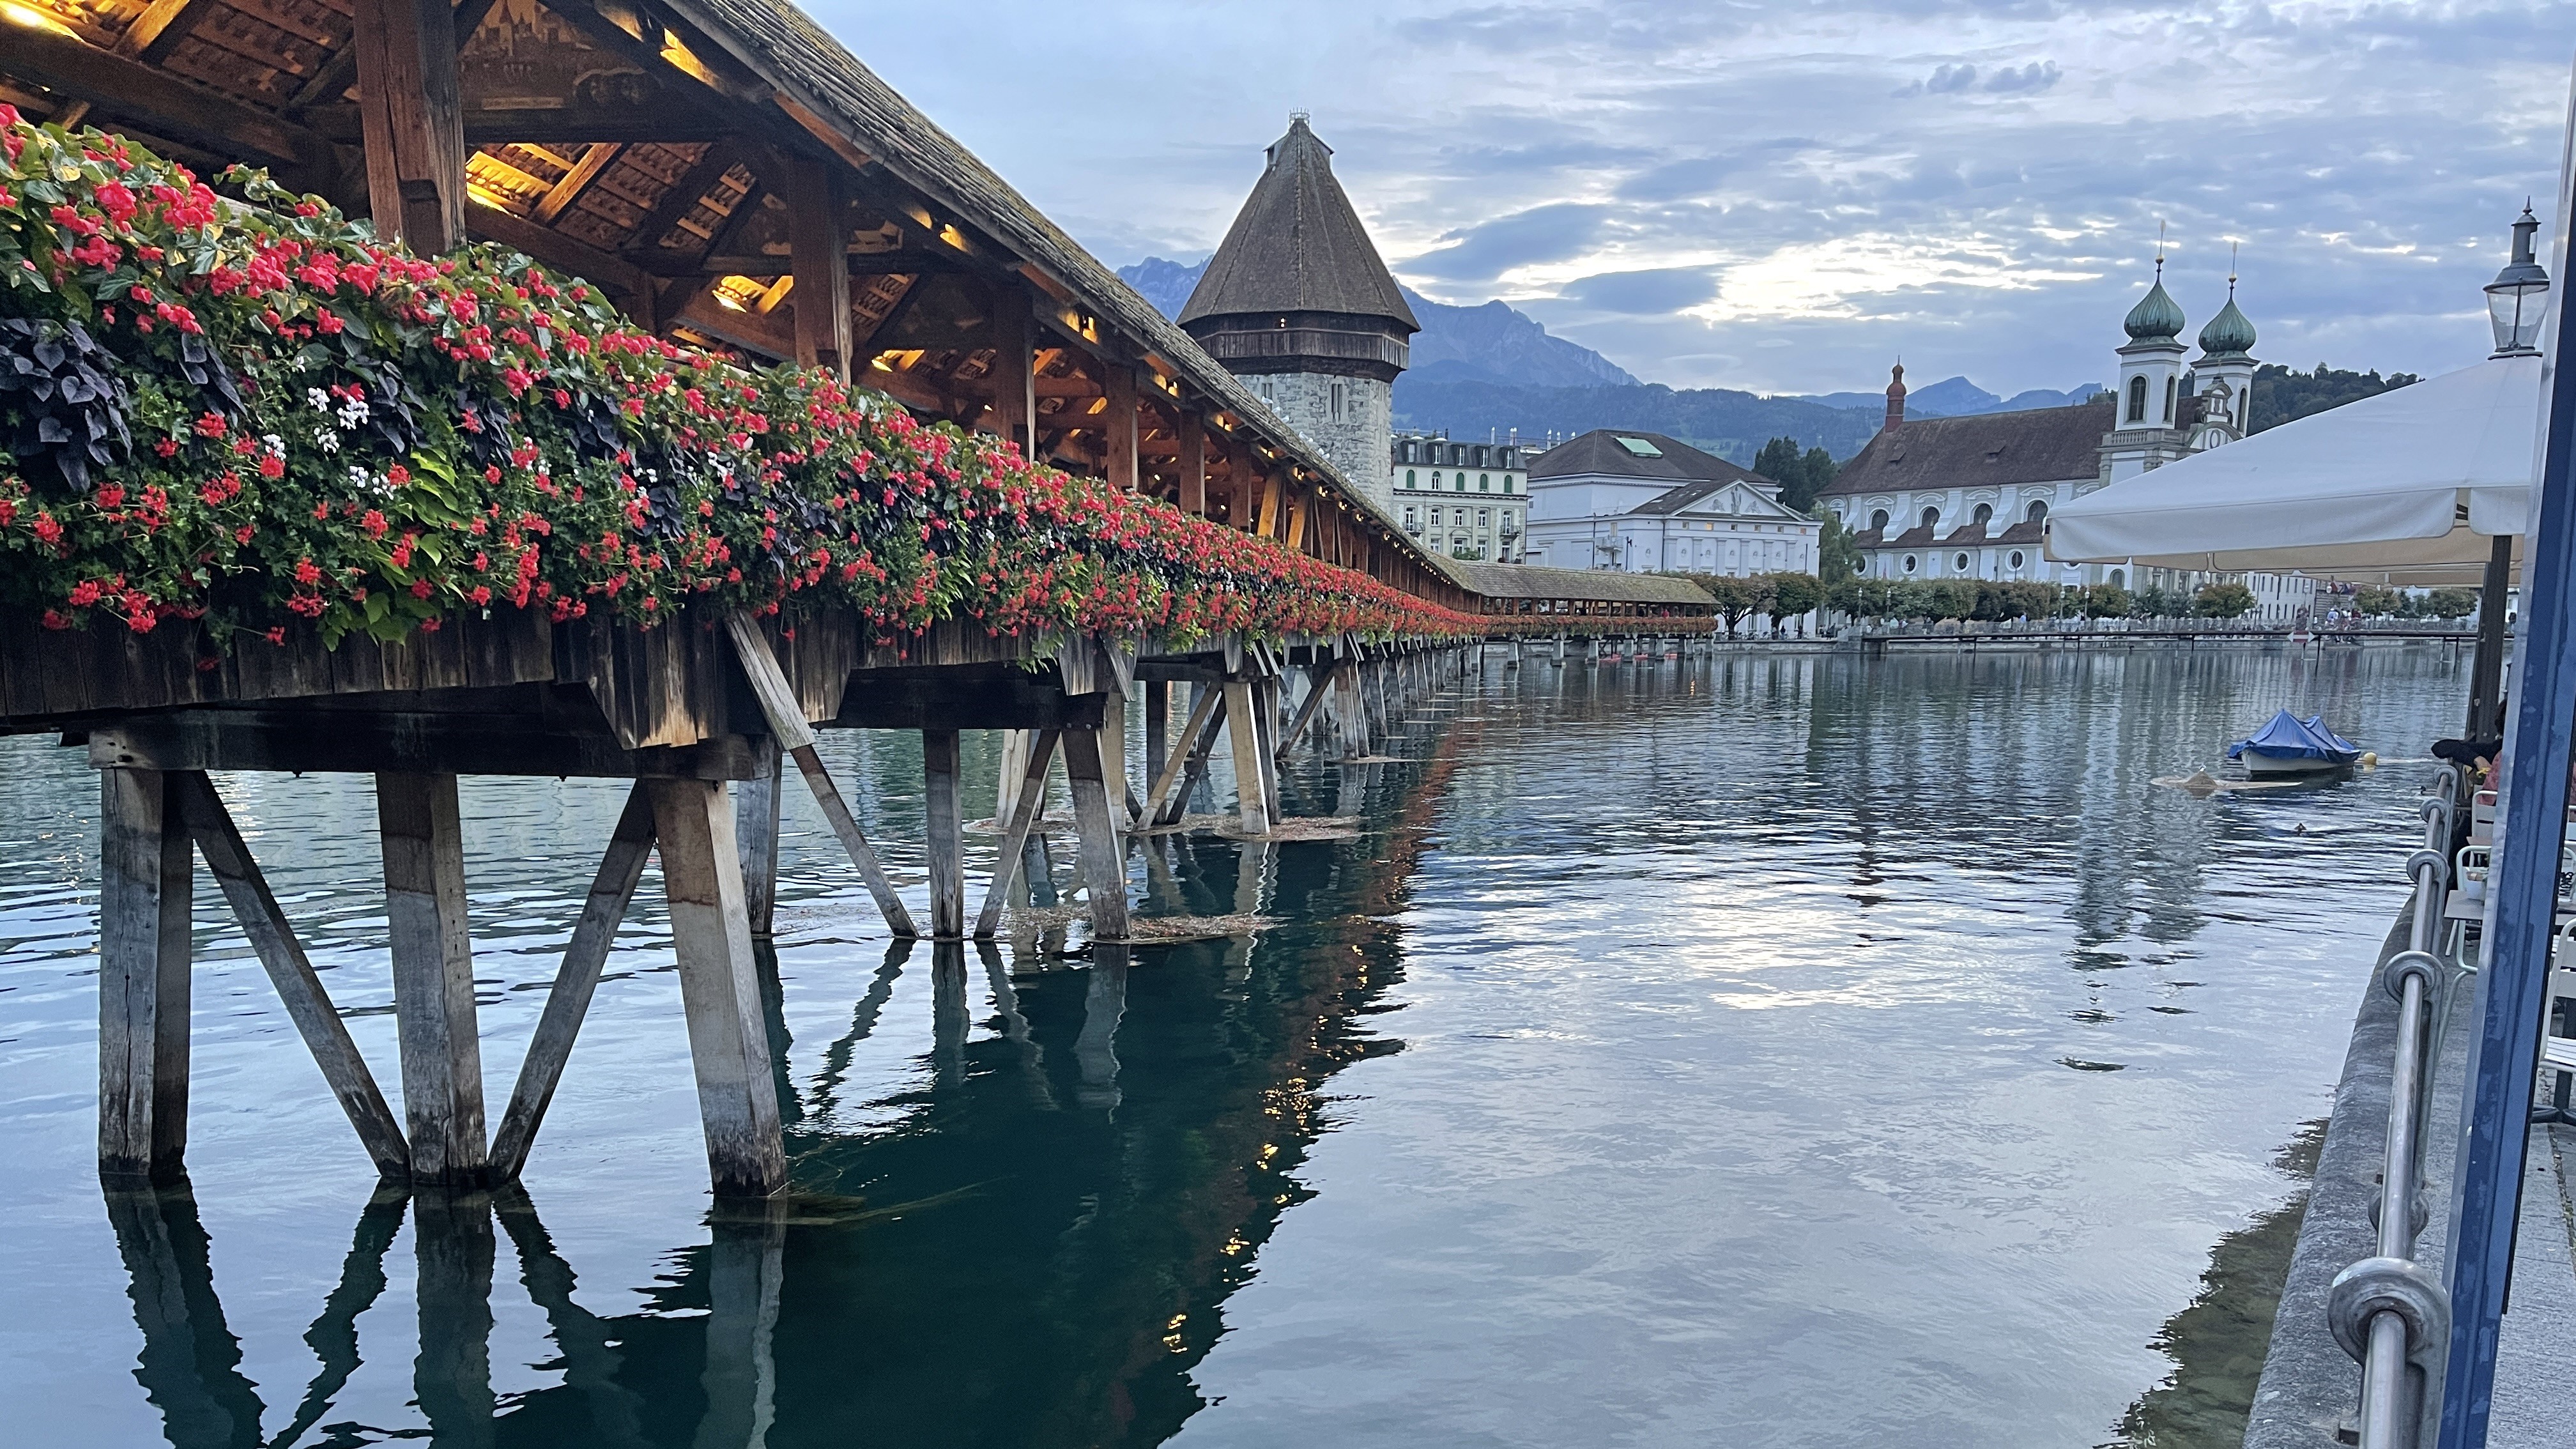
[(2290, 745)]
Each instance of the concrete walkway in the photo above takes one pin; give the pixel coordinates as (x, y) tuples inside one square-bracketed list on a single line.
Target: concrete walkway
[(2535, 1395)]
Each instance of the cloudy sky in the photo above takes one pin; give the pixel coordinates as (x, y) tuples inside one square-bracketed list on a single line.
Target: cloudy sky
[(1783, 196)]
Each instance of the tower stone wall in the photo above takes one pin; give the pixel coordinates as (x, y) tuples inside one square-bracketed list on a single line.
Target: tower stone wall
[(1350, 420)]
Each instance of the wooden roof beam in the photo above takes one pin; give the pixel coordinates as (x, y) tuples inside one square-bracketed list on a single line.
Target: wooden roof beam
[(584, 124), (158, 101)]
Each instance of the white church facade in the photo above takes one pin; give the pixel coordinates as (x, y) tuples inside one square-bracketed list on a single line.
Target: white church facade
[(1644, 503), (1969, 497)]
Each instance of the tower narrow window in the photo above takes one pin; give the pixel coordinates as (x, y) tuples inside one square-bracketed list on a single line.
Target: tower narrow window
[(2169, 401), (1337, 402), (2137, 399)]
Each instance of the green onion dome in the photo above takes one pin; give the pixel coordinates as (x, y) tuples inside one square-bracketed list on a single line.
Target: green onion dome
[(2227, 333), (2156, 318)]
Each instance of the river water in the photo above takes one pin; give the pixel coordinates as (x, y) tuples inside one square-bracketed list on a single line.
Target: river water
[(1773, 1050)]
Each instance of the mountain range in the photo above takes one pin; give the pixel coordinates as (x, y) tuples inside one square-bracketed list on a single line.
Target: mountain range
[(1493, 371)]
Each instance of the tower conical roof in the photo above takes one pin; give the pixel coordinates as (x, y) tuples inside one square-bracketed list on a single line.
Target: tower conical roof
[(2157, 317), (1297, 246), (2227, 333)]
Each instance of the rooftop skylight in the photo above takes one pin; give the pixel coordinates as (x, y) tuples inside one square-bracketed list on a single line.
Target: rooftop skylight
[(1641, 447)]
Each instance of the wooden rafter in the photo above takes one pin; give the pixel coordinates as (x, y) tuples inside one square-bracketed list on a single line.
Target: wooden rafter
[(565, 192), (157, 100)]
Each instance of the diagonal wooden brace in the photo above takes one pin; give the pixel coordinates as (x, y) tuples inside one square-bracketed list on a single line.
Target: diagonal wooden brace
[(307, 1004), (787, 722), (1015, 835), (611, 891)]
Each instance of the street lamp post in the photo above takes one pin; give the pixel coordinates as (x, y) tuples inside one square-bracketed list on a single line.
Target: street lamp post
[(2518, 295)]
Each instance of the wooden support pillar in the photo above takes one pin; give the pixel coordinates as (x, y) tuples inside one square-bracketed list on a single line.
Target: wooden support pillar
[(1014, 378), (1102, 857), (1193, 464), (1123, 805), (611, 891), (1026, 788), (1164, 804), (146, 875), (1265, 694), (307, 1004), (1319, 688), (1268, 524), (412, 121), (787, 722), (756, 808), (1158, 729), (946, 838), (433, 961), (818, 255), (719, 987), (1251, 790), (1348, 716), (1118, 423)]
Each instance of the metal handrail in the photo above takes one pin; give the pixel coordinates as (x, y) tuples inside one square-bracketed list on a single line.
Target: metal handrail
[(2386, 1310)]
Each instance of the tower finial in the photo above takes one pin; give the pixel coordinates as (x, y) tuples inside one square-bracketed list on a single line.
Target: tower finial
[(2160, 249)]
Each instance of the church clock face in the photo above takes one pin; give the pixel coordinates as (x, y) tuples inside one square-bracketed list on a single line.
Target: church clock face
[(2212, 438)]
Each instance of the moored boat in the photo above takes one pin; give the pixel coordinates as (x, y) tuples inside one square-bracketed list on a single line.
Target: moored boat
[(2290, 745)]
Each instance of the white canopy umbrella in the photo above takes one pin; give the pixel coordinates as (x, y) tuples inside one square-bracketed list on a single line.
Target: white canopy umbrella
[(2410, 486)]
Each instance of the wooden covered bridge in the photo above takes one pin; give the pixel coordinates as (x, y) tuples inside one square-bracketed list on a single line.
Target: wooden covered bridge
[(731, 177)]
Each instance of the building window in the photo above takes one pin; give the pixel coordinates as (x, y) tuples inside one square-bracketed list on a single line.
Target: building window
[(1931, 518), (1507, 482), (1484, 482), (2119, 579), (1435, 477), (1337, 402), (2016, 558), (1960, 564), (1909, 563), (2038, 511), (1412, 520), (2169, 401), (1985, 514), (1408, 477), (2137, 399), (1878, 518), (1484, 518), (1435, 518)]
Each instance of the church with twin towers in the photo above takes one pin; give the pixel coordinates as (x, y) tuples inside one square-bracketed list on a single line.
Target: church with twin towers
[(1969, 497)]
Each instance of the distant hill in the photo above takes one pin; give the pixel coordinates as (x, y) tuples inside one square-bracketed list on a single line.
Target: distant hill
[(1492, 343), (2281, 395), (1954, 397), (1733, 425)]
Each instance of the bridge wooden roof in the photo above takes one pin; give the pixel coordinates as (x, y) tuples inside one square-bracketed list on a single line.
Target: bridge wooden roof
[(657, 147)]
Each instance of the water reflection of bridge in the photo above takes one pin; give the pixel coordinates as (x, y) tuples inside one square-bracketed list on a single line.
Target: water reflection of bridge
[(1037, 1251)]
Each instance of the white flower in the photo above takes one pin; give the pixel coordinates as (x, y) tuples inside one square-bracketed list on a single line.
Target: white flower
[(352, 413), (321, 400), (276, 445), (327, 440)]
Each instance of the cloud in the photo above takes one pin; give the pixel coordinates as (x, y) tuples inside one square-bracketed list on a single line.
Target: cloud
[(1976, 184), (1647, 293), (2031, 79), (1494, 249)]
